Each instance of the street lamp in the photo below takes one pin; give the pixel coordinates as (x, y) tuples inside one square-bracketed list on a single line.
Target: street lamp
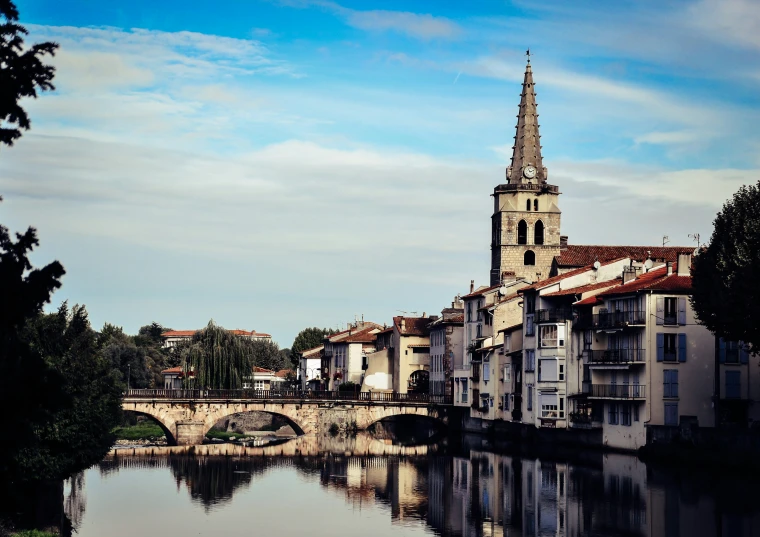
[(129, 375)]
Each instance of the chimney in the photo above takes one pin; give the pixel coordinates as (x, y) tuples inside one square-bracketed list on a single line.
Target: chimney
[(457, 304), (684, 265), (563, 242), (424, 314), (403, 324), (629, 274), (472, 286), (670, 267)]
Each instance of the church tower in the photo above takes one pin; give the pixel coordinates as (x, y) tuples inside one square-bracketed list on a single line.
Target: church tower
[(525, 233)]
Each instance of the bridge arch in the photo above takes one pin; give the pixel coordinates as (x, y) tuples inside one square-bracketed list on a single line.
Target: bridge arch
[(187, 423), (170, 439), (375, 414)]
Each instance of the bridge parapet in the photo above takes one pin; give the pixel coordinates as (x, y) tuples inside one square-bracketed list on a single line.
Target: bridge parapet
[(288, 396)]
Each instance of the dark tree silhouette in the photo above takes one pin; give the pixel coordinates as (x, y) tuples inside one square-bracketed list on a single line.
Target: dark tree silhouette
[(726, 274), (308, 338), (22, 73)]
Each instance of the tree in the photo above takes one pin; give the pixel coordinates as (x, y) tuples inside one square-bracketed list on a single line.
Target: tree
[(22, 73), (150, 335), (308, 338), (77, 433), (27, 384), (217, 358), (266, 354), (129, 361), (726, 274)]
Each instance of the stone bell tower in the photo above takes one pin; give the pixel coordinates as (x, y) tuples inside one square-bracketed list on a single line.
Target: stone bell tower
[(526, 216)]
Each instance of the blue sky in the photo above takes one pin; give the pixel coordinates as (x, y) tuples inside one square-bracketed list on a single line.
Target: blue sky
[(287, 163)]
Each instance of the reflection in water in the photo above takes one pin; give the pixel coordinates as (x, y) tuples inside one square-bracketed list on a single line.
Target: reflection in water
[(474, 494)]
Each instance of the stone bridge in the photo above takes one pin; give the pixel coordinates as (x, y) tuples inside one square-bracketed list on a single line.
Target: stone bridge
[(187, 415)]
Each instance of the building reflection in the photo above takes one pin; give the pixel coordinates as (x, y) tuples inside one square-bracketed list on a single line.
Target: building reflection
[(485, 494)]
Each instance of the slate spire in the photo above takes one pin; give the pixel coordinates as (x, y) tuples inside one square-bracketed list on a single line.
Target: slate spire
[(527, 165)]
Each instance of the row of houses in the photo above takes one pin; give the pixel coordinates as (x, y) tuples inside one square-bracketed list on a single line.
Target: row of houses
[(564, 336)]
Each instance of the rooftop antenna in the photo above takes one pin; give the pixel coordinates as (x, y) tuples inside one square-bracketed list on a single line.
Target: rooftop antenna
[(665, 240), (694, 237)]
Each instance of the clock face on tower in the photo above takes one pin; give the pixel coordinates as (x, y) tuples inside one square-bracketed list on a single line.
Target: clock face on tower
[(529, 172)]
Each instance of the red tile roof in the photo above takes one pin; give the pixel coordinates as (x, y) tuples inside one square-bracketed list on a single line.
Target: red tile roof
[(588, 301), (654, 280), (172, 370), (413, 326), (481, 291), (554, 279), (258, 369), (283, 373), (585, 288), (579, 255)]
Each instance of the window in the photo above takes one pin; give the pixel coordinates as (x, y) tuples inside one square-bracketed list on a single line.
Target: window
[(538, 235), (733, 384), (464, 390), (666, 347), (530, 303), (507, 373), (505, 402), (625, 414), (588, 338), (635, 412), (670, 383), (522, 232), (469, 310), (530, 398), (258, 385), (732, 352), (561, 375), (527, 205), (612, 417), (535, 205), (547, 370), (530, 329), (487, 370), (671, 413), (529, 259), (671, 310), (530, 360), (549, 405), (507, 342), (552, 335)]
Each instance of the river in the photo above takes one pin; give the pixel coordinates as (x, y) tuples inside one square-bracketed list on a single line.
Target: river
[(362, 488)]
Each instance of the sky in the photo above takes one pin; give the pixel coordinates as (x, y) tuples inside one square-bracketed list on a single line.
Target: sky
[(279, 164)]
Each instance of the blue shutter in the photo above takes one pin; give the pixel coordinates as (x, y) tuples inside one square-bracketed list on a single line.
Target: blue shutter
[(682, 311), (660, 316), (661, 346), (682, 347), (743, 354), (722, 351), (674, 383), (666, 383)]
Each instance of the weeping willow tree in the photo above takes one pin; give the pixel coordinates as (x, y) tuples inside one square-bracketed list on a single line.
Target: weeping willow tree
[(216, 358)]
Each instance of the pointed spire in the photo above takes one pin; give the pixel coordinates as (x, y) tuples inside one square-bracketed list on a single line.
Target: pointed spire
[(527, 164)]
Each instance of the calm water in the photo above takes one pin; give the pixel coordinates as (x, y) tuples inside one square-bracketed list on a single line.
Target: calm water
[(471, 493)]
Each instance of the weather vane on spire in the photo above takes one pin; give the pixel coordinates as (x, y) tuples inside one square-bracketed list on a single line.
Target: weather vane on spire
[(527, 53)]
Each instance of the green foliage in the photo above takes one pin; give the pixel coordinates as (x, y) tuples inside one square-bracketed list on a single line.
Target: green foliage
[(22, 73), (129, 361), (146, 429), (726, 275), (225, 435), (348, 386), (266, 354), (150, 335), (33, 533), (217, 358), (76, 434), (308, 338), (27, 384)]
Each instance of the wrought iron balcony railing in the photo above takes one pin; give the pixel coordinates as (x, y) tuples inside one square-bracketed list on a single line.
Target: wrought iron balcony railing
[(615, 356), (553, 315), (618, 391), (616, 319)]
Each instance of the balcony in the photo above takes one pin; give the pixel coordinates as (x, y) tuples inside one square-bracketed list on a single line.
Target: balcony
[(554, 315), (618, 391), (616, 356), (617, 319)]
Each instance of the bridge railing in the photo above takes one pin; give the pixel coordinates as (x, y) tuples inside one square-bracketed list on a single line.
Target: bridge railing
[(290, 395)]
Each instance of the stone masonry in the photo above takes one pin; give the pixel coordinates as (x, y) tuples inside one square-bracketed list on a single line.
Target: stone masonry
[(186, 422)]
